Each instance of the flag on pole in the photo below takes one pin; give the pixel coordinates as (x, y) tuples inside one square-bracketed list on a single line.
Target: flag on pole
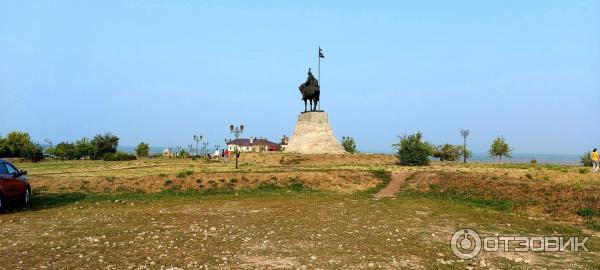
[(321, 55)]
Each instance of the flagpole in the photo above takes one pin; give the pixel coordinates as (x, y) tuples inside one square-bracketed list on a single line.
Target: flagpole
[(319, 73)]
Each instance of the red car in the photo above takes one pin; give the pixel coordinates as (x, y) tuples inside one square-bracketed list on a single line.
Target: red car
[(14, 185)]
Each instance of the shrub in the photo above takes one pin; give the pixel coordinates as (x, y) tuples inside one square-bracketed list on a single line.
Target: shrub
[(583, 170), (118, 156), (168, 182), (183, 154), (267, 187), (594, 225), (412, 150), (533, 162), (297, 186), (529, 176), (184, 174), (587, 212), (586, 159), (349, 145)]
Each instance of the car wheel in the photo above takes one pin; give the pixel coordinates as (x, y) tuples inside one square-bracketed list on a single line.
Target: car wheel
[(27, 196), (1, 202)]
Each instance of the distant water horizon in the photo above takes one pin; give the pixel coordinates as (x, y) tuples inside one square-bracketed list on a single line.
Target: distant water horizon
[(567, 159)]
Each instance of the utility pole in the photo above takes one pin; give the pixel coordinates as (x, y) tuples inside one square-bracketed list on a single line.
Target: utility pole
[(465, 134), (236, 131)]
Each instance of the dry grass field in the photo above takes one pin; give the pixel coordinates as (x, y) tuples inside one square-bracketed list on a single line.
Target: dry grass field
[(293, 212)]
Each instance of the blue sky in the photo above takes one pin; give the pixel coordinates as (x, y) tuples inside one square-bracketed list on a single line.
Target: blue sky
[(160, 71)]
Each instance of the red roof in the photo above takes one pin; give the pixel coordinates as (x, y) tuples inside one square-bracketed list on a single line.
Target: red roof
[(246, 142)]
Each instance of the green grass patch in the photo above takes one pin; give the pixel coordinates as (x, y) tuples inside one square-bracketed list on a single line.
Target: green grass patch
[(561, 229), (593, 224), (184, 174), (453, 195), (587, 212)]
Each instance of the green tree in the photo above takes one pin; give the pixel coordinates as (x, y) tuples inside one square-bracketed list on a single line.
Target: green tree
[(103, 144), (83, 149), (4, 151), (33, 152), (500, 148), (16, 142), (412, 150), (447, 152), (64, 150), (142, 149), (349, 145), (462, 152)]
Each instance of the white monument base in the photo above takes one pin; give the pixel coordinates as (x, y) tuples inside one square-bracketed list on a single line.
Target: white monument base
[(313, 135)]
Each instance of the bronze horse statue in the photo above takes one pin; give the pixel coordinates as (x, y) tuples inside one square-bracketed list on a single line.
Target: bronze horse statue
[(310, 91)]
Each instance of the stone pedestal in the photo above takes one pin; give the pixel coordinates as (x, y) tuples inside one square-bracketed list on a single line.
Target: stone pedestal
[(313, 135)]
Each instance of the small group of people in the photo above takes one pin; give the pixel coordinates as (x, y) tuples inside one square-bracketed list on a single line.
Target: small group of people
[(595, 160), (223, 154)]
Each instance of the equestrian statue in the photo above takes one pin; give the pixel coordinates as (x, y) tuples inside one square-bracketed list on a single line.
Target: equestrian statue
[(310, 91)]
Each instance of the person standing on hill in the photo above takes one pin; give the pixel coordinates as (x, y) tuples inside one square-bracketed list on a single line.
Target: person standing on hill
[(595, 160)]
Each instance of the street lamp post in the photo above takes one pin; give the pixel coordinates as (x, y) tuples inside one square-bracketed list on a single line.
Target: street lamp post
[(236, 131), (197, 138), (465, 134), (205, 148)]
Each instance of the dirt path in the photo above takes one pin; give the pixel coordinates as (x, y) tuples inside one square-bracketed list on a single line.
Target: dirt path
[(393, 186)]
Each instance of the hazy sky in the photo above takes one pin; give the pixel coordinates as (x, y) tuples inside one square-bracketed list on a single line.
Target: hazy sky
[(160, 71)]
